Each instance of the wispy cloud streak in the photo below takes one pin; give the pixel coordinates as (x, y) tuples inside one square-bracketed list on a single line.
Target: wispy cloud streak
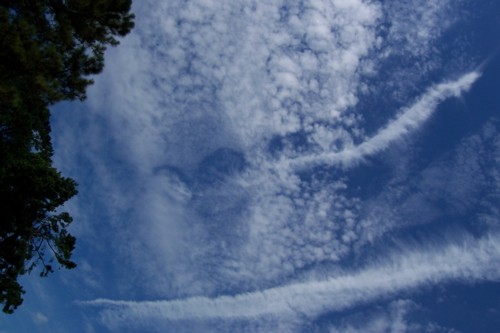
[(468, 260), (409, 120)]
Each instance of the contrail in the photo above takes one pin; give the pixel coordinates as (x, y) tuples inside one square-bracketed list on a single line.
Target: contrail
[(408, 120), (468, 261)]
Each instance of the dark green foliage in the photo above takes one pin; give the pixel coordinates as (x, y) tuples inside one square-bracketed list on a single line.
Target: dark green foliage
[(48, 49), (53, 45)]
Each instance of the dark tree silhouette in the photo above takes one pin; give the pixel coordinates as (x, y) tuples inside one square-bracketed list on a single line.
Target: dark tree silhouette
[(48, 49)]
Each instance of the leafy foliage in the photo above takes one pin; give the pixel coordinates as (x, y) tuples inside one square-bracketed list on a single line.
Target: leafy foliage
[(48, 50)]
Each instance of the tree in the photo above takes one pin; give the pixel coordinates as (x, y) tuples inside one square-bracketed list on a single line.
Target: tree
[(48, 50)]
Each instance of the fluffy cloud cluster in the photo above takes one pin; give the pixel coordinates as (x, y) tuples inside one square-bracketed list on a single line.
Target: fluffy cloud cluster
[(228, 151)]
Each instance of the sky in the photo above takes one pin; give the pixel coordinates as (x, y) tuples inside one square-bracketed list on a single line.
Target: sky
[(284, 166)]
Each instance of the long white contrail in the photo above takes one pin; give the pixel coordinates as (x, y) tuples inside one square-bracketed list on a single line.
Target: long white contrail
[(408, 120), (470, 260)]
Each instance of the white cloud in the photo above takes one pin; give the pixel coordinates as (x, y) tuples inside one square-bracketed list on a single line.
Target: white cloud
[(393, 318), (469, 260), (416, 25), (459, 182), (200, 75), (409, 120), (40, 318), (271, 81)]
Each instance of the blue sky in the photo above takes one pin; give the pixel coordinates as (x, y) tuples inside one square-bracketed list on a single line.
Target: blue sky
[(284, 166)]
